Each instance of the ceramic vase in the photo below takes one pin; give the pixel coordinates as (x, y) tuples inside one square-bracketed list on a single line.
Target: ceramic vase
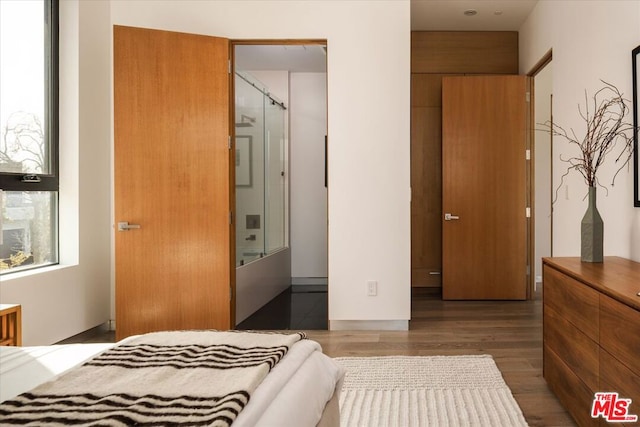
[(592, 232)]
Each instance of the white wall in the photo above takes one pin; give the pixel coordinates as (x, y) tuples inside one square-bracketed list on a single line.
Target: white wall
[(308, 194), (591, 40), (368, 116), (64, 300)]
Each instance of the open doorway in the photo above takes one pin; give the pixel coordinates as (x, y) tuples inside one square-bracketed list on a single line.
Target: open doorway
[(542, 172), (280, 96)]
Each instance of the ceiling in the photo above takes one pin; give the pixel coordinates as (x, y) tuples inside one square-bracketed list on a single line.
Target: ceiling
[(448, 15), (426, 15)]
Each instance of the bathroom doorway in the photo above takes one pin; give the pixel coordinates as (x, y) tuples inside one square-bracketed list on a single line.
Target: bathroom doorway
[(281, 189), (543, 188)]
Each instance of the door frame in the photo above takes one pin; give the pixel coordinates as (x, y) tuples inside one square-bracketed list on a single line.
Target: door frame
[(531, 187), (232, 120)]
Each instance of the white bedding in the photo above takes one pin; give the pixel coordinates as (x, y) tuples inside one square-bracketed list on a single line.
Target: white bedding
[(23, 368), (293, 394)]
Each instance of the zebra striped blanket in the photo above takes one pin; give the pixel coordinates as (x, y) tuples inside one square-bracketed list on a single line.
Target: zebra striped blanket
[(164, 378)]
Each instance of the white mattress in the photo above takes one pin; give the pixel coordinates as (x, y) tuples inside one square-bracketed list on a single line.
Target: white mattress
[(293, 394)]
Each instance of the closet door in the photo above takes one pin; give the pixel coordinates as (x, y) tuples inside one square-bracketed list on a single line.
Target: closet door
[(484, 187), (173, 265)]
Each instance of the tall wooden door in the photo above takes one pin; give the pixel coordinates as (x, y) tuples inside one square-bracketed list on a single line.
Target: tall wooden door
[(173, 263), (484, 187)]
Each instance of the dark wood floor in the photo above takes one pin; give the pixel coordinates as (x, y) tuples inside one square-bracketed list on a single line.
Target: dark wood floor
[(510, 331)]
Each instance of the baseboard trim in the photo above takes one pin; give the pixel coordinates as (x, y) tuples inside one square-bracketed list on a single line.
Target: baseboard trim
[(368, 325)]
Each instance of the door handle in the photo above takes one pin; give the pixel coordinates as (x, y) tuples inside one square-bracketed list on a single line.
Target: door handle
[(449, 217), (125, 226)]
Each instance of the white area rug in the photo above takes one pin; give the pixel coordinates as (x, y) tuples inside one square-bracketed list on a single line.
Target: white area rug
[(446, 391)]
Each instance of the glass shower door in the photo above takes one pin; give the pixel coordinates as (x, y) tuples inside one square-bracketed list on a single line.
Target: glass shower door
[(249, 168), (259, 170), (274, 176)]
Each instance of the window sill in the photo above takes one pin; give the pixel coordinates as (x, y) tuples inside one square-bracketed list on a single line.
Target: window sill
[(7, 277)]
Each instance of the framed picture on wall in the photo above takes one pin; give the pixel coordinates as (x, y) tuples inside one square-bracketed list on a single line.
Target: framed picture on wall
[(243, 160), (635, 66)]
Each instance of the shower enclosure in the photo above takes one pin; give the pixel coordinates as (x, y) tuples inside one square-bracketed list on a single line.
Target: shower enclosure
[(260, 170)]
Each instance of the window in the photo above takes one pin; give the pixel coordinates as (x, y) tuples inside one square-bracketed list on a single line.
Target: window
[(28, 134)]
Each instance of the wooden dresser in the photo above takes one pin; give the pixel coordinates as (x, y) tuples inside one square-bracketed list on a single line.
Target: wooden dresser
[(592, 333), (11, 324)]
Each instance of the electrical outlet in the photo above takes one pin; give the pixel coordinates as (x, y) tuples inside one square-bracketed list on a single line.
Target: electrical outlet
[(372, 288)]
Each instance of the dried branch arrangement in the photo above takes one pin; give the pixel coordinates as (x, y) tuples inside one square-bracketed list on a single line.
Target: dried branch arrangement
[(607, 128)]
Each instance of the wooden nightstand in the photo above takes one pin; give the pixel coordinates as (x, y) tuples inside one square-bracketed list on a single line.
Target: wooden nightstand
[(11, 315)]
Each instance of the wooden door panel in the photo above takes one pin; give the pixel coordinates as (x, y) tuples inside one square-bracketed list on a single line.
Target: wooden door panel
[(426, 180), (484, 125), (426, 90), (488, 52), (171, 171), (426, 197)]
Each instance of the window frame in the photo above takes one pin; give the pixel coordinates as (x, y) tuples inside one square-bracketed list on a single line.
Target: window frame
[(45, 182), (48, 182)]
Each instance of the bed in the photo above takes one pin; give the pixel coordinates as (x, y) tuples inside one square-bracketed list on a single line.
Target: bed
[(179, 377)]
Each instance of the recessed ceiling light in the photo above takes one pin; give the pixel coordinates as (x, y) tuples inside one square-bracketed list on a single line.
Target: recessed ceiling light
[(497, 12), (470, 12)]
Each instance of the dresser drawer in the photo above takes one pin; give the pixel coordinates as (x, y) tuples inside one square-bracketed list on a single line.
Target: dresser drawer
[(571, 391), (620, 332), (577, 302), (614, 376), (579, 352)]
